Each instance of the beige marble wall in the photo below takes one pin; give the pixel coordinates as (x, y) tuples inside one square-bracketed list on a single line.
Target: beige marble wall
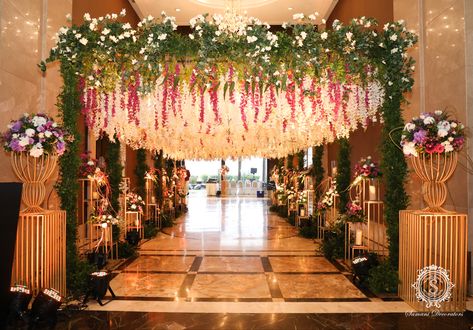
[(27, 33)]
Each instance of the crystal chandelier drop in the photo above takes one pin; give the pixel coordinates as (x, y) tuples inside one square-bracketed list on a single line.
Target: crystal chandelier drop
[(232, 20)]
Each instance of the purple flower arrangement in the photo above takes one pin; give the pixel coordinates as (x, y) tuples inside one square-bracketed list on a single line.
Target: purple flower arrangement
[(35, 134), (432, 133), (367, 168)]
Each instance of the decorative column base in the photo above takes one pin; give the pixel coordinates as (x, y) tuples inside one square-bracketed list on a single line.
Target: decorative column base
[(40, 251), (439, 240)]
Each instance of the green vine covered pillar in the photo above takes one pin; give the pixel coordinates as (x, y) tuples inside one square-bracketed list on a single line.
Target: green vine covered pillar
[(67, 186), (140, 172), (343, 173), (114, 169), (394, 169), (158, 165), (317, 168)]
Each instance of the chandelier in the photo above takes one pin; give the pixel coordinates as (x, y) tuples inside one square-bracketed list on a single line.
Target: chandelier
[(232, 21)]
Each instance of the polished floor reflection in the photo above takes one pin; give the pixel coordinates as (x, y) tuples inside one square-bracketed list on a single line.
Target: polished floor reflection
[(223, 224), (232, 250), (230, 264)]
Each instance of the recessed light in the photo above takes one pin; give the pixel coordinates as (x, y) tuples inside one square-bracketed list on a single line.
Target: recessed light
[(178, 9), (290, 8)]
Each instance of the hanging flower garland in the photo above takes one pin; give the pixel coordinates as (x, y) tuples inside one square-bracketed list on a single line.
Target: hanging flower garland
[(230, 90)]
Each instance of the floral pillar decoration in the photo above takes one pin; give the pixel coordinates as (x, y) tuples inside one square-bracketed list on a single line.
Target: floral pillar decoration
[(432, 142), (34, 141)]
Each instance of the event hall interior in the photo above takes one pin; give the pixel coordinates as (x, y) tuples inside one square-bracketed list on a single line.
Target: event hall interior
[(236, 164)]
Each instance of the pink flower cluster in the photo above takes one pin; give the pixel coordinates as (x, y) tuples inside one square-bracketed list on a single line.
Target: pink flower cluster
[(367, 168), (353, 213)]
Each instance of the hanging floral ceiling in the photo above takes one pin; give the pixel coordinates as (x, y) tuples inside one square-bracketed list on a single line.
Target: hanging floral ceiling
[(231, 90)]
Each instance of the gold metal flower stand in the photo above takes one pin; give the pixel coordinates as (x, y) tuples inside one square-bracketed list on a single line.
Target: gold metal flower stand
[(439, 239), (375, 228), (151, 208), (40, 251), (133, 222)]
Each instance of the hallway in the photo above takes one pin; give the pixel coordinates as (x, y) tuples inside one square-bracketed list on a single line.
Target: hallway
[(232, 249), (228, 263)]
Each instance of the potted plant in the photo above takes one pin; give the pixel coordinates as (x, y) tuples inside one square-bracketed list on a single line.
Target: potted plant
[(432, 141), (34, 141)]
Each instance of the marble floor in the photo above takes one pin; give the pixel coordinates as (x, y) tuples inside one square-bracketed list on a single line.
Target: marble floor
[(228, 263), (232, 250)]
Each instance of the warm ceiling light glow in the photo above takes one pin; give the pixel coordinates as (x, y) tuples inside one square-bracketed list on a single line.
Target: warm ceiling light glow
[(290, 8), (178, 9)]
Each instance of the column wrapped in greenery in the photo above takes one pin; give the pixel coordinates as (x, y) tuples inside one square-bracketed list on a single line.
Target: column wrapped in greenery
[(398, 80), (290, 162), (343, 173), (114, 169), (300, 160), (158, 165), (317, 168), (140, 172), (67, 185)]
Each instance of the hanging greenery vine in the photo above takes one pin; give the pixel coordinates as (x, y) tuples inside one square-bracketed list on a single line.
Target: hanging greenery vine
[(140, 172), (343, 173), (317, 168)]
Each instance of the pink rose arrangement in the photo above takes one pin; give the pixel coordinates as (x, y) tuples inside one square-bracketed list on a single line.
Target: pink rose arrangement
[(367, 168), (432, 133), (353, 213), (87, 166), (35, 134)]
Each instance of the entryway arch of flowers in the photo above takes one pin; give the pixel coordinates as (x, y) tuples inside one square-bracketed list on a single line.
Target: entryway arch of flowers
[(235, 90)]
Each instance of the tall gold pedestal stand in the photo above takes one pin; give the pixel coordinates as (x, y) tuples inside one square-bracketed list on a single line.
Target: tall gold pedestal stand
[(433, 242), (439, 239), (40, 251)]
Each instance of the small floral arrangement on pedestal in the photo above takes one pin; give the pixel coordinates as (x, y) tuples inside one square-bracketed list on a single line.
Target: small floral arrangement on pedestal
[(88, 166), (328, 198), (302, 197), (432, 133), (366, 168), (152, 175), (134, 202), (35, 134), (291, 194), (354, 213), (105, 220)]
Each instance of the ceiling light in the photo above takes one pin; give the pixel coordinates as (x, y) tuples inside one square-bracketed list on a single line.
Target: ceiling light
[(178, 9), (290, 8)]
